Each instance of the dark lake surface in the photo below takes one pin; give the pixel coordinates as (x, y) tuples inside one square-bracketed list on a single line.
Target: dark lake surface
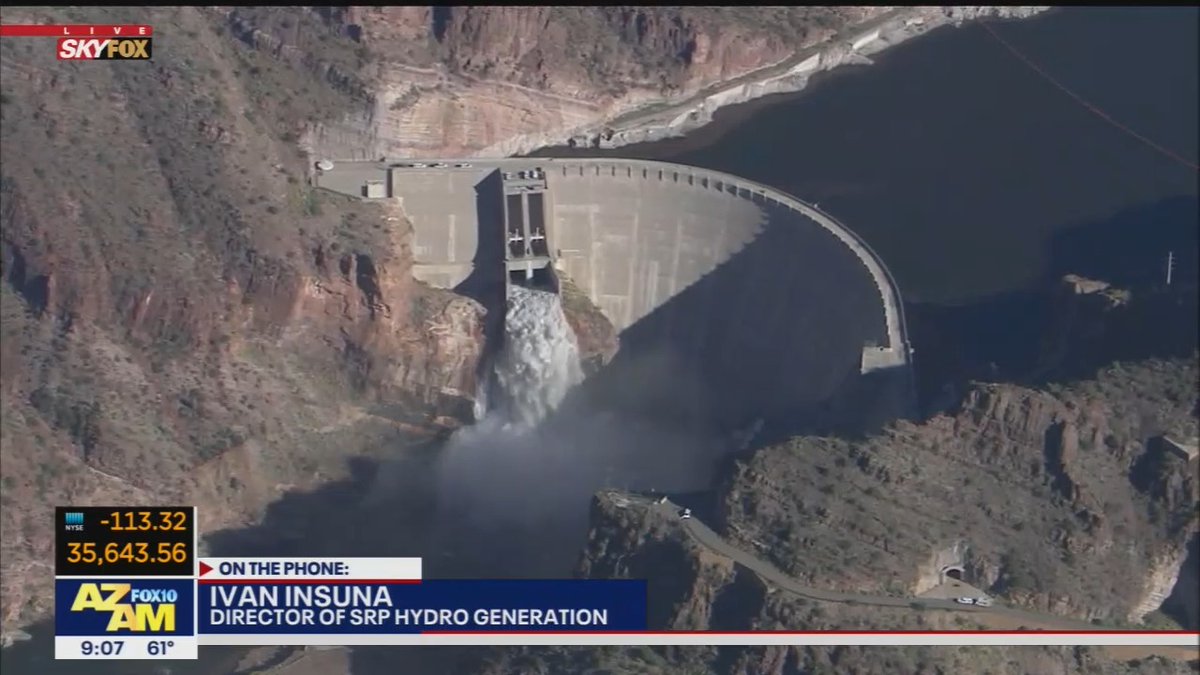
[(967, 171), (973, 177)]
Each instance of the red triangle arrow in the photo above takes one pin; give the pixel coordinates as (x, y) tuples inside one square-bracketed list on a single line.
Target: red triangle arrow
[(205, 568)]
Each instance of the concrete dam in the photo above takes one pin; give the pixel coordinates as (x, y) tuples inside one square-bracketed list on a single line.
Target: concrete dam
[(735, 302)]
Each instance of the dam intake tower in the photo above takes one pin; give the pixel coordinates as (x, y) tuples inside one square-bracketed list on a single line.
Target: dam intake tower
[(759, 305)]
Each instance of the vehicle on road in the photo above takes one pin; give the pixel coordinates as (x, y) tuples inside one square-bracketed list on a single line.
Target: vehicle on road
[(983, 602), (965, 601), (440, 165), (685, 514), (420, 165), (463, 165)]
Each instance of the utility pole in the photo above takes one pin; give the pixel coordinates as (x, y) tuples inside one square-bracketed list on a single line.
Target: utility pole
[(1170, 265)]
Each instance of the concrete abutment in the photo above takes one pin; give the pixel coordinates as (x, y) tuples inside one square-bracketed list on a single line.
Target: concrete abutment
[(769, 304)]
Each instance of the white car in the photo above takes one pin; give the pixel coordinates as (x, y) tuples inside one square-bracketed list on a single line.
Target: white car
[(687, 513), (463, 165), (965, 601), (983, 602), (420, 165)]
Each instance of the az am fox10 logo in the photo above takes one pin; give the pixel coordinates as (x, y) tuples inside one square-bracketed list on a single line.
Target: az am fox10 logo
[(106, 49), (127, 608)]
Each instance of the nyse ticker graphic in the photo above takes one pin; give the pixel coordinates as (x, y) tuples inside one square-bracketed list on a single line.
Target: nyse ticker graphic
[(125, 582), (123, 602)]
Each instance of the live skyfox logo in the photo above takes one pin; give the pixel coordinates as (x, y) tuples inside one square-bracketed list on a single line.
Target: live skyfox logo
[(112, 49)]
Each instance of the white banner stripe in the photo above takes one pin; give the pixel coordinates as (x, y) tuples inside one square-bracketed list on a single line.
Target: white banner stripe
[(740, 639)]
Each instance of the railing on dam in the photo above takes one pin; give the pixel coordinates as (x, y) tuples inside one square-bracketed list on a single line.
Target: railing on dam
[(348, 178), (894, 316)]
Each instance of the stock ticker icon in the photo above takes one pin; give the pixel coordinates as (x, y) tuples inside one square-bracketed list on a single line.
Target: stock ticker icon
[(73, 520)]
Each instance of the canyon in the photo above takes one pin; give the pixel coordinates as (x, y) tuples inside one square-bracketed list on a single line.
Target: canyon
[(203, 327), (504, 82)]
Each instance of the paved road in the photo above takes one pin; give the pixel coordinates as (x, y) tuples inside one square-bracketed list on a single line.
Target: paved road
[(666, 111), (706, 537)]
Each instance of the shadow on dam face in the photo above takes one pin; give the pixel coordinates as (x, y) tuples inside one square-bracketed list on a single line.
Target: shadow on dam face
[(775, 332), (734, 302), (485, 283)]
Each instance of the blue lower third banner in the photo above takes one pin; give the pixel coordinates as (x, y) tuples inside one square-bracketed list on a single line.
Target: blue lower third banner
[(433, 605), (124, 607)]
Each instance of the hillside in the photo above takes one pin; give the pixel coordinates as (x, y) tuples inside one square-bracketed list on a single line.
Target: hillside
[(1060, 500), (182, 319), (185, 320), (1052, 501)]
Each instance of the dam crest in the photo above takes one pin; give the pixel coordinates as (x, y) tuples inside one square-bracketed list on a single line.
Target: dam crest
[(751, 299)]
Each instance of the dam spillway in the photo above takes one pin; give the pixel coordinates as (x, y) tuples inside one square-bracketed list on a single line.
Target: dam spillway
[(754, 303)]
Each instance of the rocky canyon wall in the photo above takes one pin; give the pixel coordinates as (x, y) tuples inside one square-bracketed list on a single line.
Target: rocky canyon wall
[(1059, 499), (495, 81)]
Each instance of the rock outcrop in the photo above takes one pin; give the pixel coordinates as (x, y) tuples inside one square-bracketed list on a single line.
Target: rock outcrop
[(1050, 491), (696, 589), (185, 320), (1054, 500), (597, 337), (1092, 322), (505, 80)]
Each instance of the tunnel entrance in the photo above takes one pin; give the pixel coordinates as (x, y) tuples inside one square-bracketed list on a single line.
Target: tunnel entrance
[(952, 573)]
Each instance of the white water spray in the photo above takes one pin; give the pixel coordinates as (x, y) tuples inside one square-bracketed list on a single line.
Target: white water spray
[(515, 486), (537, 365)]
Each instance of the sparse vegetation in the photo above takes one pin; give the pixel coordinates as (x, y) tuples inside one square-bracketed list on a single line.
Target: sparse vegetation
[(874, 517), (146, 282)]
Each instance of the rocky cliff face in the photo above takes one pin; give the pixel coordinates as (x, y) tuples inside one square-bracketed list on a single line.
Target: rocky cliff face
[(1054, 500), (1057, 500), (1048, 492), (223, 393), (481, 78), (184, 320), (503, 80), (695, 589), (597, 337)]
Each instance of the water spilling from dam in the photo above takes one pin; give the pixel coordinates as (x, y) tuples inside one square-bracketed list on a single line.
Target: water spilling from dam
[(535, 455), (535, 367), (487, 468)]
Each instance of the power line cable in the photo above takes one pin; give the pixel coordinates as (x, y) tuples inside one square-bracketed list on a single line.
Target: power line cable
[(1082, 101)]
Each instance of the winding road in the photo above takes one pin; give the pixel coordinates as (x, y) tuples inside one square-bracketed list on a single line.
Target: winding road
[(996, 617)]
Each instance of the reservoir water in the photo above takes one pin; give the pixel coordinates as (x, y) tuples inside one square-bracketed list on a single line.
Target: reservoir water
[(971, 175), (960, 164)]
